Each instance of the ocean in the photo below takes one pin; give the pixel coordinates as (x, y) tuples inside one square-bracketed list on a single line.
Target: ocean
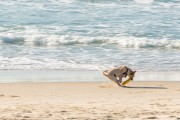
[(85, 35)]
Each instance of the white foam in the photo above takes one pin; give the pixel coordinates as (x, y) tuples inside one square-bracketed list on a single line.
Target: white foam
[(62, 1), (7, 3), (35, 39), (148, 43), (144, 1), (25, 63)]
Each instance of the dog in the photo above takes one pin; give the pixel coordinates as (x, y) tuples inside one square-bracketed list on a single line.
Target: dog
[(116, 74)]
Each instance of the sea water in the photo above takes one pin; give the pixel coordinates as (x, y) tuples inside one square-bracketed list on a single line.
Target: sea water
[(88, 35)]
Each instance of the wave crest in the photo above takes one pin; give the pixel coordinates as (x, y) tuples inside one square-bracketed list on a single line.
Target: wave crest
[(56, 40)]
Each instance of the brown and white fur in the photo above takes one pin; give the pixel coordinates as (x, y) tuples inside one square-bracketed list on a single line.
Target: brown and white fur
[(116, 74)]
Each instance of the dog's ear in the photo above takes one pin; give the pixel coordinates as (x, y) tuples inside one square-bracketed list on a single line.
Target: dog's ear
[(134, 72)]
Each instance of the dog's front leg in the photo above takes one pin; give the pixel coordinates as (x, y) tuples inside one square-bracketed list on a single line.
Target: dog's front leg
[(114, 79), (119, 81)]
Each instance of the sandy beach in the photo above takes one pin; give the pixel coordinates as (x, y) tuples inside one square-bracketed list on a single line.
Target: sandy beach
[(54, 57), (90, 100)]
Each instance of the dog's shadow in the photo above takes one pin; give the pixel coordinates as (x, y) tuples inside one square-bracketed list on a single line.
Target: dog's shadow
[(142, 87)]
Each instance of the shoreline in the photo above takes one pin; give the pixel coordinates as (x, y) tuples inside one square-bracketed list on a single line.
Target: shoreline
[(35, 76), (103, 100)]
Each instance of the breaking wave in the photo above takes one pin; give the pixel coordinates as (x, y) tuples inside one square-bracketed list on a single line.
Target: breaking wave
[(65, 40)]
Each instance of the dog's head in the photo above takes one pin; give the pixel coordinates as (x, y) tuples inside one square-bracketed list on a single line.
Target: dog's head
[(131, 74)]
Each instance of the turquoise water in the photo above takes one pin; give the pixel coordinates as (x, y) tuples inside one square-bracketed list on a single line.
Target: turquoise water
[(90, 34)]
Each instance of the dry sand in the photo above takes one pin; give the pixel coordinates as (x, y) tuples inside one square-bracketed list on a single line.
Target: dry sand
[(87, 101)]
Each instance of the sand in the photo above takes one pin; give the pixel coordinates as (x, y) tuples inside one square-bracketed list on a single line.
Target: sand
[(90, 101)]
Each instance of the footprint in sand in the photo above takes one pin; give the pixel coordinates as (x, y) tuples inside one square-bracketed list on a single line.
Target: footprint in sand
[(1, 95), (172, 116), (26, 117), (161, 105), (14, 96), (18, 115), (152, 117), (63, 111), (27, 111)]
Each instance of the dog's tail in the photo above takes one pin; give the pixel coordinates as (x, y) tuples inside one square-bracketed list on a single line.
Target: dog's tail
[(105, 72)]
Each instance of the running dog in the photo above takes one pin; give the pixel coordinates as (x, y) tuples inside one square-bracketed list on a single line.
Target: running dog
[(116, 74)]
